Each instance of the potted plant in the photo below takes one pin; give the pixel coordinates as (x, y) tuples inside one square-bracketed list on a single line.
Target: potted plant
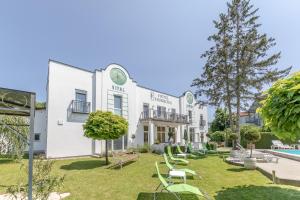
[(251, 135)]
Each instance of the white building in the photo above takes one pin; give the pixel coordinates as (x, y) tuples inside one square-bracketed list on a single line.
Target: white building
[(72, 93)]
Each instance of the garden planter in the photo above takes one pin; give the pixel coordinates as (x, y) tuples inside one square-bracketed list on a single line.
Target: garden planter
[(250, 163)]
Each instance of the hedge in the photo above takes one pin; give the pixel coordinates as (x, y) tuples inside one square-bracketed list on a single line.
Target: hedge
[(266, 141)]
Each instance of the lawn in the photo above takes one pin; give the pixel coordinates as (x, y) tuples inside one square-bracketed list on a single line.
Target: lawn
[(88, 179)]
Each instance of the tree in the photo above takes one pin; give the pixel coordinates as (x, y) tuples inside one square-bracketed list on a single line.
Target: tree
[(105, 126), (221, 120), (215, 82), (253, 66), (238, 65), (251, 134), (280, 109)]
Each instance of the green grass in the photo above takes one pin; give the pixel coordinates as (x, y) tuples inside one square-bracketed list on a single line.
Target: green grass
[(88, 179)]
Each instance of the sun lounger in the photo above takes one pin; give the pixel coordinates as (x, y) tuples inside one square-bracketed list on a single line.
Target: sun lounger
[(175, 189)]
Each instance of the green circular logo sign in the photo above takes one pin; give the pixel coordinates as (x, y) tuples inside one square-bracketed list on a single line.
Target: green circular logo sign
[(189, 98), (118, 76)]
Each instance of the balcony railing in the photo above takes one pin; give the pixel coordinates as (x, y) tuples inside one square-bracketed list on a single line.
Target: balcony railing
[(164, 116), (80, 106)]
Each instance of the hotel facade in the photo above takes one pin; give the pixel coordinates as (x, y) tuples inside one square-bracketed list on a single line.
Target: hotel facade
[(72, 93)]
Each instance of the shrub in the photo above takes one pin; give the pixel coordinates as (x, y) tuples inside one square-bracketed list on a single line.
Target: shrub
[(211, 145), (218, 136), (144, 148)]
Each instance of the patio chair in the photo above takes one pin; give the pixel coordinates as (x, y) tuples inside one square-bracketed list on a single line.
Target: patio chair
[(177, 188), (171, 167), (175, 159), (186, 154), (277, 144), (195, 152)]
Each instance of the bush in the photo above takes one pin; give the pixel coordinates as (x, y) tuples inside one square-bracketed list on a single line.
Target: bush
[(218, 136), (251, 135), (211, 146), (174, 149), (143, 149)]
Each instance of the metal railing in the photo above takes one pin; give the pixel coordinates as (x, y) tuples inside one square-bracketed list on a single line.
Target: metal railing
[(164, 116), (80, 106)]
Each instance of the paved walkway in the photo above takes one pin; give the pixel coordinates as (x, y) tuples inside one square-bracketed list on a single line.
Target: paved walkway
[(285, 169)]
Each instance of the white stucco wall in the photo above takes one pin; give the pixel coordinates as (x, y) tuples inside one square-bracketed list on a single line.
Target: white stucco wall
[(40, 127), (66, 137)]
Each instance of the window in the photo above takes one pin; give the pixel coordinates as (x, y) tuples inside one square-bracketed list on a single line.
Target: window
[(173, 110), (118, 105), (161, 111), (192, 134), (80, 104), (190, 115), (161, 131), (146, 134), (37, 137), (146, 110)]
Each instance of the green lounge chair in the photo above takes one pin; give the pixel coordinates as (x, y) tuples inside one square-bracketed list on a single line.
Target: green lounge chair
[(187, 154), (177, 188), (206, 150), (195, 152), (175, 159), (171, 167)]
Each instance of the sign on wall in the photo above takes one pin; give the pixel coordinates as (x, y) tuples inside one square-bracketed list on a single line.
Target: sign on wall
[(160, 98)]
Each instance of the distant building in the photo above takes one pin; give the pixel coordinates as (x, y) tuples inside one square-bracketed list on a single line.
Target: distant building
[(250, 116)]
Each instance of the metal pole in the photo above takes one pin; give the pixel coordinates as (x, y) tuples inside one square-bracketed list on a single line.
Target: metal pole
[(31, 138)]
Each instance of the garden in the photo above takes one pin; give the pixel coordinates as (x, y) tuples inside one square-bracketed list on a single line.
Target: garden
[(89, 178)]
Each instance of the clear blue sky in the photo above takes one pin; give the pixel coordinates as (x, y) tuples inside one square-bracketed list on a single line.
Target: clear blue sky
[(159, 42)]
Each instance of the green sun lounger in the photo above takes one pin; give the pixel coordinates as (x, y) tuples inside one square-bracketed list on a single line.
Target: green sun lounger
[(177, 188), (195, 152), (187, 154), (171, 167), (175, 159)]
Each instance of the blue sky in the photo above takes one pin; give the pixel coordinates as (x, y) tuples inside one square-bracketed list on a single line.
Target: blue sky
[(159, 42)]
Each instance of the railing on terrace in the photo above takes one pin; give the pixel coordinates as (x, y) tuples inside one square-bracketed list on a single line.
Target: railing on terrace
[(80, 106), (164, 116)]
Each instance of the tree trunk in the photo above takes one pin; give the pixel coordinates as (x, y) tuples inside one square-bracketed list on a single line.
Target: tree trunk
[(106, 152), (251, 150)]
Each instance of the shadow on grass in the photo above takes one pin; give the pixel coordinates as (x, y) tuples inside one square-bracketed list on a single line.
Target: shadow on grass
[(6, 160), (251, 192), (167, 175), (84, 165), (238, 169), (124, 165), (165, 196)]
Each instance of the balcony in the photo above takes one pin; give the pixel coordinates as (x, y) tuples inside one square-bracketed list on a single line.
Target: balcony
[(80, 106), (164, 116)]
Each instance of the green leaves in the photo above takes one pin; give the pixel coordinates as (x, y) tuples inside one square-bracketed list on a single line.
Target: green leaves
[(105, 126), (281, 108)]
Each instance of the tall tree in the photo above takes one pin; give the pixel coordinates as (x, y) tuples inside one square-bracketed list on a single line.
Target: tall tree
[(253, 66), (238, 65), (215, 82)]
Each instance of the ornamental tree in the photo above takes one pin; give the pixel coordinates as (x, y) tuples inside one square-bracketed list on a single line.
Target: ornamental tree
[(251, 135), (105, 126), (280, 109)]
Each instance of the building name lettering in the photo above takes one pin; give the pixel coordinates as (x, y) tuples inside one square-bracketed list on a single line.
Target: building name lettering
[(160, 98), (118, 88)]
